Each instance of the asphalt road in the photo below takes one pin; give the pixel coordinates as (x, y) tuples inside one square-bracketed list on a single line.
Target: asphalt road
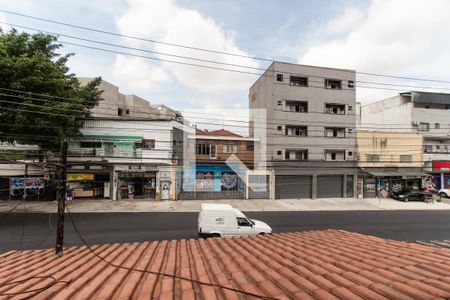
[(34, 230)]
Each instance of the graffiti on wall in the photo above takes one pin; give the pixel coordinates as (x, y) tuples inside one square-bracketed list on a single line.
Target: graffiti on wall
[(204, 181), (431, 183), (229, 181), (384, 188), (20, 183)]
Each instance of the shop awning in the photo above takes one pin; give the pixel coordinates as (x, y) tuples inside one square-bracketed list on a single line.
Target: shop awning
[(396, 172)]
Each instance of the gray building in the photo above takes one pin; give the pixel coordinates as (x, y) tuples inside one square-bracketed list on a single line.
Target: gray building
[(423, 112), (310, 132)]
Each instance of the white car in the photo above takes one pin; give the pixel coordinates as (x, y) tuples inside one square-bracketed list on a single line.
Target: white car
[(218, 220), (444, 193)]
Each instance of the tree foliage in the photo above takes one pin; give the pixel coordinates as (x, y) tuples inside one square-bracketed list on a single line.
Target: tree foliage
[(40, 100)]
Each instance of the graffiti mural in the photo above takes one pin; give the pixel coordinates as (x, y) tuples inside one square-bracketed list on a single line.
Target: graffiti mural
[(204, 181), (384, 188), (229, 181), (19, 183), (431, 183)]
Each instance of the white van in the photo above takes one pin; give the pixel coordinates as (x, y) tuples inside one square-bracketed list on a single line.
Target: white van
[(218, 220)]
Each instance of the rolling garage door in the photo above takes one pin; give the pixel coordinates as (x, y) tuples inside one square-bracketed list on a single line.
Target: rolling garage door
[(330, 186), (292, 187)]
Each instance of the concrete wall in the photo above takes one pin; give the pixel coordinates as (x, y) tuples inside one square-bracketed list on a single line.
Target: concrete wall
[(271, 94), (389, 146)]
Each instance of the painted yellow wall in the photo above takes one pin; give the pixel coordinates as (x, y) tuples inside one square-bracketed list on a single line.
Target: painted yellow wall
[(389, 146)]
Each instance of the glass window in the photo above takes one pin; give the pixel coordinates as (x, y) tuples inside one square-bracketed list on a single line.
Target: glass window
[(243, 222), (298, 81), (148, 144), (279, 77), (90, 144)]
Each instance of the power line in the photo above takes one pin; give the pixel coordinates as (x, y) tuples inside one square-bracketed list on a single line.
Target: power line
[(202, 49), (208, 61)]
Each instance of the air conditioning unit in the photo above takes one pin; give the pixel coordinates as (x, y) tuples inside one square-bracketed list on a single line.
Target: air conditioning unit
[(415, 123)]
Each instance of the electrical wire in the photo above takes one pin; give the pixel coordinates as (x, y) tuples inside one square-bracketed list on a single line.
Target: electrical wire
[(208, 61), (199, 48), (35, 291)]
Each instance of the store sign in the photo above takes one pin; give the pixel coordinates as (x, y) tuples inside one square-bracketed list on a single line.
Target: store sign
[(20, 183), (441, 166), (80, 177), (136, 175)]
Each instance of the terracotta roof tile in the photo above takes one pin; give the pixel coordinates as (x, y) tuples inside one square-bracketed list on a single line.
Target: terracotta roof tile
[(328, 264)]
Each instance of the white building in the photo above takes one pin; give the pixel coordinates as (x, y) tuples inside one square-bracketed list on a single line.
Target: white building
[(126, 159), (422, 112)]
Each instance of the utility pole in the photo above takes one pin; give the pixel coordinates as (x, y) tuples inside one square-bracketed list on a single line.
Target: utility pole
[(61, 196)]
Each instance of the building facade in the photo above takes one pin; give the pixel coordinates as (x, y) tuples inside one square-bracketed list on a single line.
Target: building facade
[(386, 165), (310, 130), (422, 112), (126, 159), (221, 165)]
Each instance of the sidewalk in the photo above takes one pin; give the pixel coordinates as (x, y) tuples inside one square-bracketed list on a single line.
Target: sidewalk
[(327, 204)]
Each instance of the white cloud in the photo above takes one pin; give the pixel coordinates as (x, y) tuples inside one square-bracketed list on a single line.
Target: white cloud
[(351, 17), (395, 37), (166, 21), (137, 74)]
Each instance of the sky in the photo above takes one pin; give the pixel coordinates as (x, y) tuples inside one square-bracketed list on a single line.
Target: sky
[(395, 37)]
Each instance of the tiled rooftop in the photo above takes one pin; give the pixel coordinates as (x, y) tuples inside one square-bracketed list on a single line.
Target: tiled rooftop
[(329, 264)]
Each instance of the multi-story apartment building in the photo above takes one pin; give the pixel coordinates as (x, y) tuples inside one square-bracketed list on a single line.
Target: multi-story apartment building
[(310, 130), (423, 112), (388, 162), (120, 106), (127, 149)]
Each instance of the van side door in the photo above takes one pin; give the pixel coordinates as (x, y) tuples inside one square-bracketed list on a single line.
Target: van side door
[(244, 226)]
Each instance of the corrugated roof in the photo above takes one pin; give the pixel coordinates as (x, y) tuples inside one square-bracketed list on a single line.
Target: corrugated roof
[(329, 264)]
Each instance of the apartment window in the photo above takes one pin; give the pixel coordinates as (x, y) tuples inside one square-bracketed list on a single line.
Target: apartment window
[(296, 154), (120, 112), (229, 149), (373, 157), (280, 77), (279, 152), (297, 106), (90, 145), (250, 147), (336, 109), (334, 155), (424, 126), (333, 84), (148, 144), (212, 151), (127, 111), (334, 132), (298, 81), (350, 153), (405, 158), (280, 103), (280, 128), (428, 148), (437, 125), (202, 149), (296, 131), (351, 84)]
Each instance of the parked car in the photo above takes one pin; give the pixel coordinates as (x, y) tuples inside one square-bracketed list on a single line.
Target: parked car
[(218, 220), (412, 195), (444, 193)]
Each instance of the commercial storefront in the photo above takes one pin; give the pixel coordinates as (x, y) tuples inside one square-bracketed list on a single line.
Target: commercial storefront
[(136, 185), (211, 182), (439, 178), (382, 182), (89, 185)]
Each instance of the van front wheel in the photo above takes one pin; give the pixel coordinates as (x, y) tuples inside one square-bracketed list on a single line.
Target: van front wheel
[(215, 235)]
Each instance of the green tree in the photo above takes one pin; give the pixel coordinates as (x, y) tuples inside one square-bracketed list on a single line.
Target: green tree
[(40, 100)]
